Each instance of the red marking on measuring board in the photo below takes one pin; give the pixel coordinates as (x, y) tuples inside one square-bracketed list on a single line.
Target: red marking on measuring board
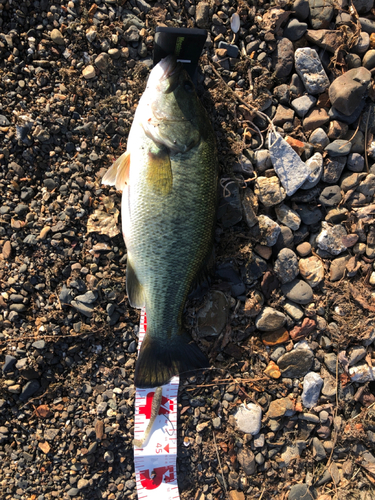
[(155, 463)]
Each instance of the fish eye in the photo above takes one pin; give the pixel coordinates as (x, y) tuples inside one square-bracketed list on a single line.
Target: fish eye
[(188, 86)]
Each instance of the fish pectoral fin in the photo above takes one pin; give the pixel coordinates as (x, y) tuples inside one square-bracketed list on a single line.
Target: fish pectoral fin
[(159, 171), (134, 289), (118, 174)]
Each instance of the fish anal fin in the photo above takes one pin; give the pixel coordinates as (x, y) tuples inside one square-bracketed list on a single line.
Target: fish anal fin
[(134, 289), (159, 171), (118, 174)]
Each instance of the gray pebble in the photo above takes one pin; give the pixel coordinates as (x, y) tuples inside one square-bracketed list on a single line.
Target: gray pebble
[(339, 147), (294, 30), (286, 265), (88, 298), (330, 196), (279, 351), (269, 319), (309, 215), (356, 354), (368, 25), (303, 104), (318, 450), (29, 389), (332, 169), (86, 310), (289, 167), (282, 58), (232, 50), (321, 13), (296, 363), (356, 162), (9, 363), (330, 360), (312, 385), (301, 9), (368, 60), (39, 344), (330, 238), (315, 164), (319, 137), (298, 291)]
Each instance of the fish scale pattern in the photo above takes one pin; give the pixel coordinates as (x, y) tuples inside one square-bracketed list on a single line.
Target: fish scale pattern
[(173, 235)]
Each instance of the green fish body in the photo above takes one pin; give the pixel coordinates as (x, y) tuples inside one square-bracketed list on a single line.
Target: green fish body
[(169, 180)]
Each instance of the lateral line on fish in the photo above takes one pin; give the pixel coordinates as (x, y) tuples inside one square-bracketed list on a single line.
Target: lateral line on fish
[(155, 407)]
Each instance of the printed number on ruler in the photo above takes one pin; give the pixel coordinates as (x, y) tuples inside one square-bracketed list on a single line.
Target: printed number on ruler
[(155, 463)]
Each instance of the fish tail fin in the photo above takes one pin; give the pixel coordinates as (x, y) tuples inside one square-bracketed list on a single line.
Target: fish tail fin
[(159, 361)]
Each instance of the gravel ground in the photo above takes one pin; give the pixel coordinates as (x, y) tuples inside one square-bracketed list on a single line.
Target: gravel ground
[(288, 321)]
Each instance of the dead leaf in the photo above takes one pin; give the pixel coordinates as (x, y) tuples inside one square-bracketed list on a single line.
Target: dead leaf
[(45, 447), (360, 299), (43, 411), (104, 223)]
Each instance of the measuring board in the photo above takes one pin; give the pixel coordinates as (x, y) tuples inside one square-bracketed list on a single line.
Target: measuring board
[(155, 463)]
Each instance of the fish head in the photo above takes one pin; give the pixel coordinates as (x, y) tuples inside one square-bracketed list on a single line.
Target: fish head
[(173, 110)]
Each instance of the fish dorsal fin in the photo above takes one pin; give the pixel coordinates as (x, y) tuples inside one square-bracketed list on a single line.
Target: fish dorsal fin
[(159, 171), (118, 174)]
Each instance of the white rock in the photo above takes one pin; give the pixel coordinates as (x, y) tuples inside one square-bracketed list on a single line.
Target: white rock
[(315, 164), (312, 385), (249, 418), (362, 373), (310, 70), (289, 167), (89, 72), (330, 238), (91, 34)]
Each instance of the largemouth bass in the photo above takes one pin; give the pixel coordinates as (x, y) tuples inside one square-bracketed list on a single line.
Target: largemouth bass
[(168, 177)]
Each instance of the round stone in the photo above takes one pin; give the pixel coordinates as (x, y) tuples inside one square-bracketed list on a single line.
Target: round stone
[(304, 249), (286, 265), (248, 418), (270, 319), (269, 191), (330, 196), (369, 59), (296, 363), (315, 163), (312, 270), (298, 291), (356, 162), (89, 72), (288, 217), (276, 337)]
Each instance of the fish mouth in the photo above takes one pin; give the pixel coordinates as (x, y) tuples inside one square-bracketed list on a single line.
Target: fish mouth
[(170, 66), (171, 70)]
